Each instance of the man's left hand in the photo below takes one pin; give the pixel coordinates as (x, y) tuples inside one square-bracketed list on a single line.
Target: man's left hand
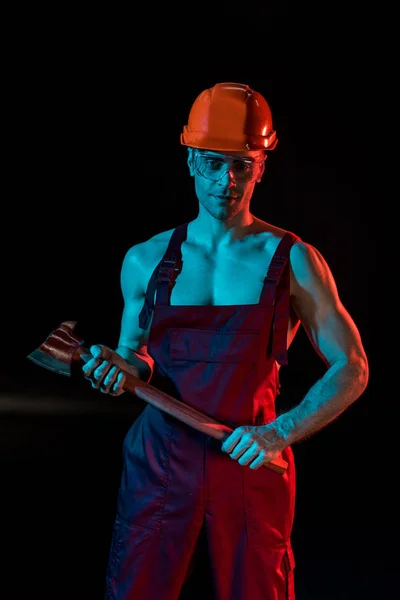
[(255, 445)]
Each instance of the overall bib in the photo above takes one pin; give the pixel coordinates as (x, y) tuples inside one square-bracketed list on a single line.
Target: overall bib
[(222, 361)]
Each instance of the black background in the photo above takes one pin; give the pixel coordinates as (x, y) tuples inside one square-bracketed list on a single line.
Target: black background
[(97, 101)]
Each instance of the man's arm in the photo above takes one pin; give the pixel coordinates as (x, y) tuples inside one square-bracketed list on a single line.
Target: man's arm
[(336, 339), (105, 370), (132, 344)]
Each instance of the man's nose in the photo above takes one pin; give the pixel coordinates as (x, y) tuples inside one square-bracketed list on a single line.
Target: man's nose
[(228, 176)]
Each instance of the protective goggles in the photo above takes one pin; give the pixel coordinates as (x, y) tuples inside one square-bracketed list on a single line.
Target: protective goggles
[(215, 166)]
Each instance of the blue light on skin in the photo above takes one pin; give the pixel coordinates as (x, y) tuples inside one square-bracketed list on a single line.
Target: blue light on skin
[(226, 198)]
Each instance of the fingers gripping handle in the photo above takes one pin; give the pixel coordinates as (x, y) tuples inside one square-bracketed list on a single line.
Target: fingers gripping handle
[(175, 408)]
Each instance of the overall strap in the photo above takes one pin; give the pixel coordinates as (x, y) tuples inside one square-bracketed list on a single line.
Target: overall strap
[(278, 276), (164, 275)]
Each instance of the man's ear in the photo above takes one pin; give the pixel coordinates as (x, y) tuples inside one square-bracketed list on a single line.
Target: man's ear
[(190, 160)]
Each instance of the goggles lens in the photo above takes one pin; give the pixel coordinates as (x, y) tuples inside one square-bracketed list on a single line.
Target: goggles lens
[(214, 167)]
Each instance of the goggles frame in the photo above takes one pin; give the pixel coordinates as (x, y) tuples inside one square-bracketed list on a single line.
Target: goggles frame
[(229, 160)]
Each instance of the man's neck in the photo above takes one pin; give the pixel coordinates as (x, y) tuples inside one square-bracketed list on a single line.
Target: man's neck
[(213, 232)]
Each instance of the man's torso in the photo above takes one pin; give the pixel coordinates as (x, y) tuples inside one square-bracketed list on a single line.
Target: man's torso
[(230, 274)]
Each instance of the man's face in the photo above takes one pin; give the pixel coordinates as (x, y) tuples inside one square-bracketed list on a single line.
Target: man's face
[(224, 182)]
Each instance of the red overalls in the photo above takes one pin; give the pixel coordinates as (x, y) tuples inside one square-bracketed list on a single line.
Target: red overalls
[(220, 360)]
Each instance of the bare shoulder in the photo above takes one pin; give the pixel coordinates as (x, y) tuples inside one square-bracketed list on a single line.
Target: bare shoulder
[(313, 290), (259, 226), (270, 234), (146, 255), (139, 262), (307, 265), (309, 268)]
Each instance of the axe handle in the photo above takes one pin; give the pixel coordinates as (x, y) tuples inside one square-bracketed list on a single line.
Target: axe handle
[(181, 411)]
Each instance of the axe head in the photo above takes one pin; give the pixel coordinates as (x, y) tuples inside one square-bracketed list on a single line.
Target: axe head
[(59, 350)]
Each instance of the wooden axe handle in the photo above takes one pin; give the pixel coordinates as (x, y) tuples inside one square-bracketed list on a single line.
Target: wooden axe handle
[(180, 410)]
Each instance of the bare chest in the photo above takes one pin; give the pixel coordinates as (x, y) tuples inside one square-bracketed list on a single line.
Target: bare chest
[(226, 277)]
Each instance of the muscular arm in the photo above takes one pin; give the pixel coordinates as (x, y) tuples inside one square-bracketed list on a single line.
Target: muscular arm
[(336, 339), (106, 370), (132, 344)]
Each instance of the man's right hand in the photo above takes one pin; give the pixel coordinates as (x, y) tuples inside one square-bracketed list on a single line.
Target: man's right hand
[(107, 370)]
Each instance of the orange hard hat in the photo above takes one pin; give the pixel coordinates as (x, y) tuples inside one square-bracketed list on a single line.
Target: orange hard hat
[(230, 117)]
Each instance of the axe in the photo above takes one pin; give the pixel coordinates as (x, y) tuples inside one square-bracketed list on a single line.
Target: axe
[(63, 347)]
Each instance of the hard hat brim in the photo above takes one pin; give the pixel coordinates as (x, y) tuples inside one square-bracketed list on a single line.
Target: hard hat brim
[(196, 139)]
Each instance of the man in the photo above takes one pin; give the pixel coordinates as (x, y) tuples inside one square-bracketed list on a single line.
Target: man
[(210, 309)]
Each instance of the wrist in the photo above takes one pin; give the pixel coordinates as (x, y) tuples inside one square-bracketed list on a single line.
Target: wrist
[(138, 365), (285, 428)]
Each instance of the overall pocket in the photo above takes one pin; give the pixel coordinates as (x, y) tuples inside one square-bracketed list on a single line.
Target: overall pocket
[(202, 345), (129, 544)]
